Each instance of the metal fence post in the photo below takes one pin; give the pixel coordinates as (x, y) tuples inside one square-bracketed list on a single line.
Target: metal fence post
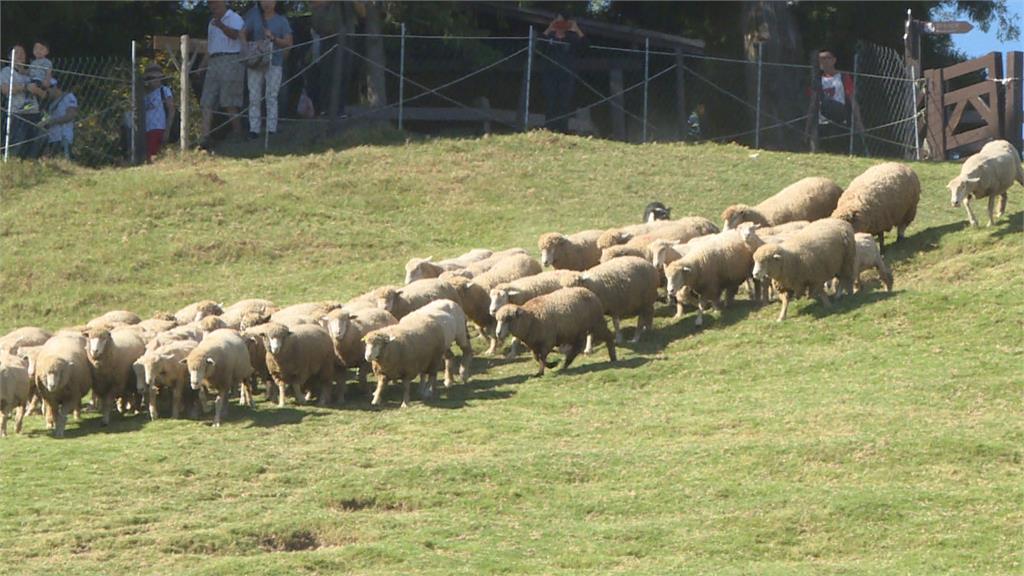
[(529, 72), (647, 80), (401, 82), (757, 111), (10, 109), (134, 110), (913, 107), (183, 120), (856, 69)]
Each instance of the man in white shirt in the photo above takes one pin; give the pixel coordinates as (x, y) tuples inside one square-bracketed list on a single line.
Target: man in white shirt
[(225, 73)]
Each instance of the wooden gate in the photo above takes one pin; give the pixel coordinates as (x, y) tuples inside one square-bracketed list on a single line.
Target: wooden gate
[(965, 118)]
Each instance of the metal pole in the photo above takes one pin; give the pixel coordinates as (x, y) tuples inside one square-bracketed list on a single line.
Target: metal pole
[(913, 107), (856, 68), (185, 64), (647, 62), (134, 111), (10, 108), (757, 112), (401, 82), (529, 72)]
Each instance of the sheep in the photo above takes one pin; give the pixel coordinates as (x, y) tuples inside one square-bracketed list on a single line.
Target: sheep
[(561, 318), (369, 299), (620, 250), (656, 211), (218, 364), (990, 172), (414, 346), (401, 301), (111, 354), (681, 230), (28, 355), (807, 199), (712, 266), (299, 356), (453, 320), (306, 313), (25, 336), (627, 286), (113, 319), (14, 391), (755, 237), (191, 331), (884, 196), (149, 329), (162, 370), (808, 259), (420, 268), (475, 302), (63, 377), (480, 266), (868, 256), (577, 251), (232, 315), (211, 323), (347, 329), (614, 236), (197, 311), (524, 289)]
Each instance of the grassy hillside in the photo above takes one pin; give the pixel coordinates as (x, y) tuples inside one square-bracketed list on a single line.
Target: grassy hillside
[(882, 436)]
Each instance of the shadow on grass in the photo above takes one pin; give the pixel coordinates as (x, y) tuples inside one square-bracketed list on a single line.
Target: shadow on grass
[(738, 311), (269, 415), (848, 304), (920, 243), (1015, 226)]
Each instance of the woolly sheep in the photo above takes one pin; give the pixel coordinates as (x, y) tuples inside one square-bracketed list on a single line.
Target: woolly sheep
[(300, 356), (14, 391), (450, 316), (868, 257), (149, 329), (884, 196), (347, 329), (113, 319), (162, 370), (755, 237), (808, 259), (63, 377), (475, 302), (401, 301), (561, 318), (111, 354), (522, 290), (807, 199), (28, 356), (253, 338), (620, 250), (577, 251), (197, 311), (420, 268), (191, 331), (716, 265), (990, 172), (479, 267), (681, 230), (627, 287), (218, 364), (305, 313), (413, 347), (233, 314), (25, 336)]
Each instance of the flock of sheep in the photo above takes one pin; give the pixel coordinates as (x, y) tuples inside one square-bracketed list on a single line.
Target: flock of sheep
[(810, 238)]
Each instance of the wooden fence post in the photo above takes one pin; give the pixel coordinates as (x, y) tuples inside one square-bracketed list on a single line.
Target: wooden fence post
[(936, 115), (1014, 116)]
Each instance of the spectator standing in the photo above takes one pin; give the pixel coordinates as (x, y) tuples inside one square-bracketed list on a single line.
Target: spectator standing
[(326, 18), (565, 40), (225, 72), (41, 68), (59, 120), (263, 22), (23, 103), (837, 104), (158, 104)]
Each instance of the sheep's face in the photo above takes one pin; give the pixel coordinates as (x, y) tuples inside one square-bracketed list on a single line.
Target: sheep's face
[(767, 265), (97, 343), (658, 251), (506, 315), (499, 297), (199, 368), (387, 300), (275, 336), (960, 188), (549, 245), (375, 344), (414, 269), (337, 325)]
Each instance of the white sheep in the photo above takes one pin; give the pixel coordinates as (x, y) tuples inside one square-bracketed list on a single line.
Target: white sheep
[(111, 354), (14, 391), (233, 314), (990, 172), (113, 319), (299, 356), (218, 364), (884, 196), (807, 199), (407, 350), (401, 301), (475, 302), (715, 265), (453, 321), (681, 230), (507, 269), (868, 257), (420, 268), (63, 377), (347, 329), (808, 259), (480, 266), (564, 317), (162, 370), (577, 251), (522, 290), (25, 336), (626, 286), (305, 313), (197, 311)]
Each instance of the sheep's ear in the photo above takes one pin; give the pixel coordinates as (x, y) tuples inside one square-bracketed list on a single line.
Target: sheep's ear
[(429, 258), (211, 362), (183, 361), (687, 269), (512, 292), (776, 256), (391, 338), (973, 179)]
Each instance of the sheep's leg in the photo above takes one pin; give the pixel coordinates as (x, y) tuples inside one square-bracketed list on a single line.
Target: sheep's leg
[(1002, 205), (177, 400), (281, 387), (325, 391), (34, 403), (881, 241), (513, 350), (822, 297), (449, 368), (574, 351), (19, 417), (48, 413), (540, 360), (220, 409), (380, 389), (991, 208), (618, 332), (590, 344), (3, 422), (885, 273), (493, 347), (62, 420), (152, 403), (106, 403), (970, 213), (405, 393), (730, 295), (784, 296)]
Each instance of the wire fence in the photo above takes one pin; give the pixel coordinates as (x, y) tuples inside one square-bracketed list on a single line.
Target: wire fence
[(471, 85)]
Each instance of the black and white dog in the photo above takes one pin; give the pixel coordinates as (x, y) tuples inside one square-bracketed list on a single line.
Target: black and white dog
[(656, 211)]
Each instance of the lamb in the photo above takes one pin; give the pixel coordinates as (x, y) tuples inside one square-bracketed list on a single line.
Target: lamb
[(868, 256), (113, 319), (561, 318), (413, 347), (14, 391), (232, 315), (63, 377), (197, 311), (111, 354), (577, 251), (25, 336), (453, 320), (627, 286), (306, 313), (716, 265), (299, 356), (990, 172), (808, 259), (420, 268), (475, 302), (347, 329), (884, 196), (401, 301), (218, 364), (807, 199), (162, 370)]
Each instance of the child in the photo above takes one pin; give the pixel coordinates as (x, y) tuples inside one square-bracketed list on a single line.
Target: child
[(159, 106), (41, 69), (60, 120)]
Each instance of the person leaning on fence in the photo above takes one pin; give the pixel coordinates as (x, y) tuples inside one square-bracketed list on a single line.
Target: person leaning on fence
[(837, 104), (59, 120), (565, 40), (158, 104), (23, 102), (264, 25), (225, 73)]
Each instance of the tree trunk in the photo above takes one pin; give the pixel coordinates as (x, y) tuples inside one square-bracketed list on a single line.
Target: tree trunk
[(376, 84)]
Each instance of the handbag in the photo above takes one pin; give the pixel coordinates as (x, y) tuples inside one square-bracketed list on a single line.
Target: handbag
[(256, 54)]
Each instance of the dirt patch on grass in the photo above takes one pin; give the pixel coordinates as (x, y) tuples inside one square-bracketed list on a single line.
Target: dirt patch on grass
[(357, 504), (292, 542)]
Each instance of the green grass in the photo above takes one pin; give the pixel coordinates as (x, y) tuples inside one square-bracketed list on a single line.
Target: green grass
[(880, 437)]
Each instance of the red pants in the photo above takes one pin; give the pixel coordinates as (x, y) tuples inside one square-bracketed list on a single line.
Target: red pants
[(154, 140)]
